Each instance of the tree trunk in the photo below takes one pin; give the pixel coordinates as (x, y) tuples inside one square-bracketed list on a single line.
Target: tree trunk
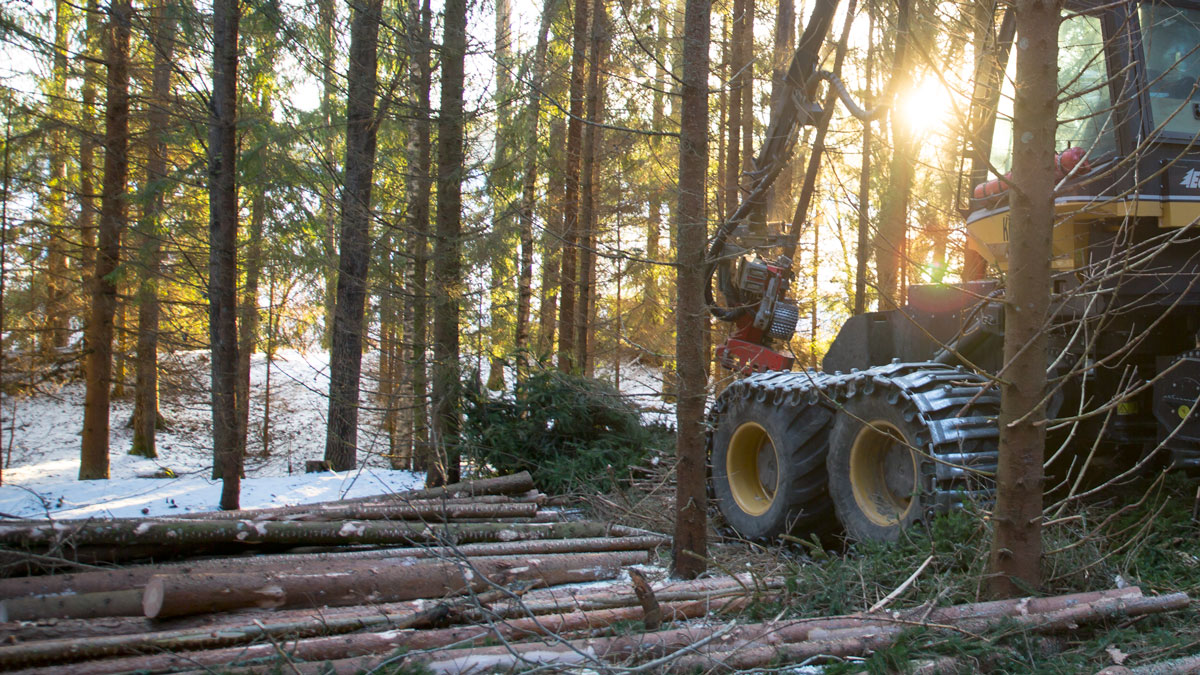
[(447, 253), (779, 198), (94, 454), (747, 88), (893, 217), (248, 311), (552, 242), (222, 260), (862, 250), (345, 363), (501, 179), (566, 296), (691, 315), (56, 330), (597, 54), (733, 146), (327, 20), (1016, 555), (652, 316), (533, 113), (419, 183), (145, 416), (87, 151)]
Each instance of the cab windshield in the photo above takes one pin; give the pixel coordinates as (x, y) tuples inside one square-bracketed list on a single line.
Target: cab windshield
[(1085, 115), (1171, 43)]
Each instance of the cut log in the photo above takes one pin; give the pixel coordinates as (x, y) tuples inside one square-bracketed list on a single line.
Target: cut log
[(174, 535), (136, 577), (503, 485), (314, 649), (72, 606), (63, 651), (179, 595), (720, 591), (379, 507), (756, 645)]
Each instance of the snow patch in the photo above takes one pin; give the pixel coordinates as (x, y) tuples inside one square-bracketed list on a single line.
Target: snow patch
[(41, 481)]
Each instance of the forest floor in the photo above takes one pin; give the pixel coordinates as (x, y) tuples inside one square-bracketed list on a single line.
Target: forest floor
[(1142, 533), (40, 441)]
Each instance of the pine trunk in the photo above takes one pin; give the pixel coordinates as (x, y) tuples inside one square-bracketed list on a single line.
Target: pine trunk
[(738, 61), (145, 416), (691, 316), (113, 214), (248, 311), (87, 152), (552, 242), (56, 330), (1016, 556), (780, 195), (327, 20), (420, 180), (597, 53), (571, 227), (501, 178), (533, 111), (345, 363), (862, 248), (893, 217), (222, 261), (447, 250)]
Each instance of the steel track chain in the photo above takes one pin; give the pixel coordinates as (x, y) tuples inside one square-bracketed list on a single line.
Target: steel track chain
[(957, 409)]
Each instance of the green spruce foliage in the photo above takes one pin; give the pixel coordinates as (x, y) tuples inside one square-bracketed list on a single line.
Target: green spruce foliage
[(569, 432)]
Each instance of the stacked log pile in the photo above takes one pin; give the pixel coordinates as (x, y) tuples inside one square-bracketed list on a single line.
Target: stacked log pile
[(431, 577)]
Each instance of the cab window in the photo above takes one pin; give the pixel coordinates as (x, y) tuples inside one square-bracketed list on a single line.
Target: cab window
[(1085, 116), (1171, 44)]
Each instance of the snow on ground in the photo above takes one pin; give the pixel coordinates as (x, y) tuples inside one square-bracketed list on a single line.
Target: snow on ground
[(40, 438)]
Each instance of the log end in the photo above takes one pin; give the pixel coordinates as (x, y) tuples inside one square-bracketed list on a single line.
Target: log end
[(152, 597)]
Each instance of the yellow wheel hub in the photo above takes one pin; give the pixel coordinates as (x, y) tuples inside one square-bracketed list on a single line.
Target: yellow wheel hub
[(883, 473), (752, 464)]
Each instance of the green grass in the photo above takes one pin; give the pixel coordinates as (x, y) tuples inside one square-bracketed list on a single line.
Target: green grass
[(1146, 537)]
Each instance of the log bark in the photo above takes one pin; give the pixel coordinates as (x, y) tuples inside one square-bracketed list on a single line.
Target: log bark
[(62, 651), (723, 594), (136, 577), (750, 646), (74, 606), (179, 595), (425, 511), (315, 649), (179, 535)]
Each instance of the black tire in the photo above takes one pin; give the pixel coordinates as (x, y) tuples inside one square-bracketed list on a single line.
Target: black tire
[(878, 485), (783, 490)]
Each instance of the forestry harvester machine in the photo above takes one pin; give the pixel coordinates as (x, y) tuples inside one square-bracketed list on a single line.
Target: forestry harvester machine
[(901, 421)]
